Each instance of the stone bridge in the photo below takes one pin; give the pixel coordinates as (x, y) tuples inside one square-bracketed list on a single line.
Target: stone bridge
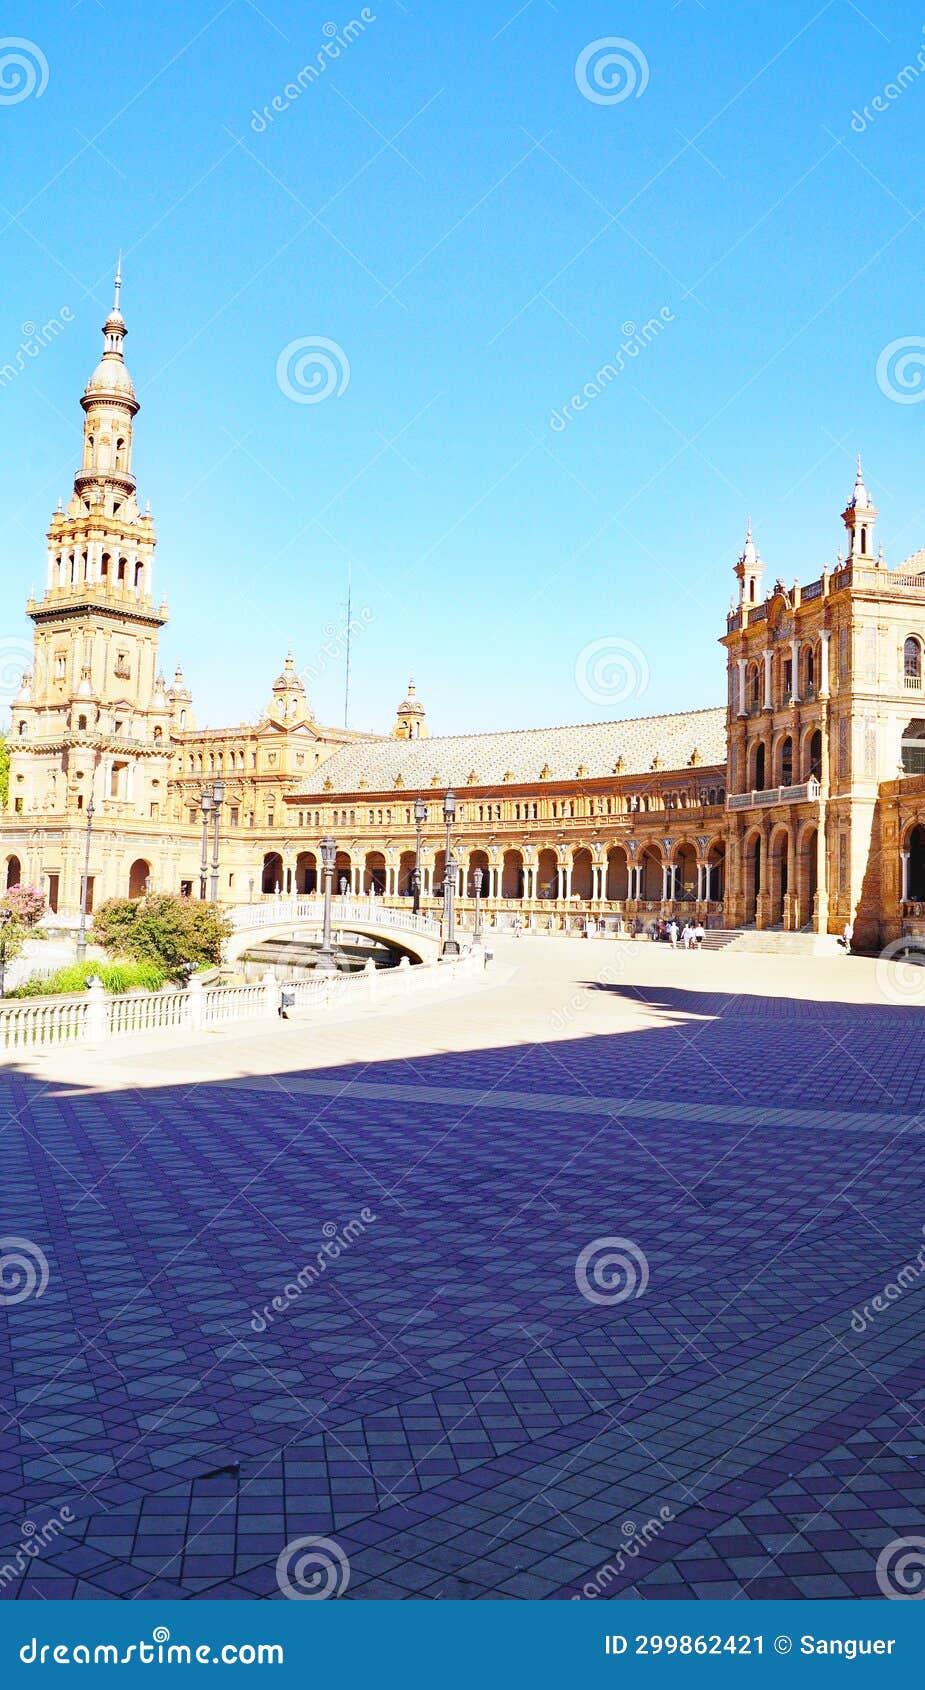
[(413, 936)]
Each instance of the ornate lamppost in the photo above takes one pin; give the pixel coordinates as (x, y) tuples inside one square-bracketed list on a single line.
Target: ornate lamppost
[(420, 817), (328, 848), (205, 805), (477, 930), (85, 888), (218, 793), (450, 947)]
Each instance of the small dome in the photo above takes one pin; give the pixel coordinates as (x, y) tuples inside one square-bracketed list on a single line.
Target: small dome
[(111, 376), (411, 706)]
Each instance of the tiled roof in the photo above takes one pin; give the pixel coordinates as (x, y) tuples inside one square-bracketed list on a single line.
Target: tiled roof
[(527, 755)]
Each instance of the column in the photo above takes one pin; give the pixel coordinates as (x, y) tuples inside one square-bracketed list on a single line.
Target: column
[(792, 901), (664, 882), (824, 664), (767, 679), (740, 664), (794, 671), (567, 880), (904, 859)]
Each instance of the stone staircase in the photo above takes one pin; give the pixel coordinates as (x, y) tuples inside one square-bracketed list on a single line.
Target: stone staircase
[(773, 941)]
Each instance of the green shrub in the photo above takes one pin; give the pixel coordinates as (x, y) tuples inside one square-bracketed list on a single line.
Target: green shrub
[(173, 933), (122, 976)]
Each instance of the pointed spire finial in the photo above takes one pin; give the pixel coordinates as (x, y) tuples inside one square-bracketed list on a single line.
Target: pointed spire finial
[(117, 295)]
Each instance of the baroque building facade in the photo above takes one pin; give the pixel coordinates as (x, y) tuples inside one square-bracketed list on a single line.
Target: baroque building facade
[(799, 805)]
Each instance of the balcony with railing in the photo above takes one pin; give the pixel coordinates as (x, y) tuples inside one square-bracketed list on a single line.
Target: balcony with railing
[(806, 791)]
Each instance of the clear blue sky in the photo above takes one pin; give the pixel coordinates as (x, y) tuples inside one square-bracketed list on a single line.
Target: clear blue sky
[(473, 232)]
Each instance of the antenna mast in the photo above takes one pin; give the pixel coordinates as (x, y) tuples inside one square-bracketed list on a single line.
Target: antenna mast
[(347, 673)]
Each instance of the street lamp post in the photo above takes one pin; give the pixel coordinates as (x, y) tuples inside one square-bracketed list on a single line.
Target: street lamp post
[(450, 947), (218, 793), (85, 889), (205, 805), (325, 963), (420, 817), (6, 917), (477, 930)]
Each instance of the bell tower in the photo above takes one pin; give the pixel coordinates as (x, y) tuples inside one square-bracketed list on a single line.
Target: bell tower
[(90, 717)]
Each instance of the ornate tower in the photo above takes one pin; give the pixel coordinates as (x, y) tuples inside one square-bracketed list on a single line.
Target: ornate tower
[(91, 719), (859, 517), (749, 570), (410, 719)]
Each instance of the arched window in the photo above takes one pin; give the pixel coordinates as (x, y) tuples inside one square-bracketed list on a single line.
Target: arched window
[(912, 663), (810, 685), (814, 760), (913, 747), (753, 686), (759, 768), (786, 762)]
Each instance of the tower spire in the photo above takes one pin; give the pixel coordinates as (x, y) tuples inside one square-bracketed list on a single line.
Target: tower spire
[(117, 292), (859, 517)]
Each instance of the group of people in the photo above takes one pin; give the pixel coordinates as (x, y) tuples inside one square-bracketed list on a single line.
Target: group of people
[(690, 937)]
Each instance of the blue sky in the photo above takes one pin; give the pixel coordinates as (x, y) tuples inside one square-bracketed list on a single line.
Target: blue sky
[(473, 233)]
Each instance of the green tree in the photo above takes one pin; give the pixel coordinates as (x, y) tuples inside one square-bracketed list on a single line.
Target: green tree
[(12, 939), (173, 932), (4, 773)]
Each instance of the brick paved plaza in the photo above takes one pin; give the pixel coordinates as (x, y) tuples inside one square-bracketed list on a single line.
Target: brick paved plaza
[(442, 1401)]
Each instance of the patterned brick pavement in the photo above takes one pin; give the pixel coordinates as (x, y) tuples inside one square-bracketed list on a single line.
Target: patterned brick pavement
[(441, 1400)]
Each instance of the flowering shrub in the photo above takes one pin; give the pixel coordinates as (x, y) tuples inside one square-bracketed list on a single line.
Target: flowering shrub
[(26, 902)]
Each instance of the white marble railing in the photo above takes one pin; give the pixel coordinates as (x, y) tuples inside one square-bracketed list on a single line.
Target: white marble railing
[(95, 1018), (366, 912)]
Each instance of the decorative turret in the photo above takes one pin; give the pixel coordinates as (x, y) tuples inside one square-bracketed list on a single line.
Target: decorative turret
[(749, 570), (180, 702), (859, 517), (411, 719), (288, 704)]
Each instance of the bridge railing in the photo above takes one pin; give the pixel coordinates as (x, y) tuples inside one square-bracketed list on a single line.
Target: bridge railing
[(365, 912)]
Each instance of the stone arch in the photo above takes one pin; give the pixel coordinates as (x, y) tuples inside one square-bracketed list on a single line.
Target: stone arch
[(913, 844), (548, 879), (343, 873), (650, 863), (753, 688), (138, 876), (272, 875), (716, 871), (778, 876), (478, 860), (811, 761), (617, 883), (306, 872), (374, 873), (686, 878), (783, 760), (807, 873), (13, 873), (582, 881), (512, 875), (751, 875), (406, 875), (757, 766)]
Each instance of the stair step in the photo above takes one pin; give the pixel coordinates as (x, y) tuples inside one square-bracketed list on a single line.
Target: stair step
[(771, 942)]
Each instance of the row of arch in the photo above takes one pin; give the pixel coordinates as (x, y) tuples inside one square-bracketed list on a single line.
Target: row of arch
[(772, 764), (780, 868), (653, 875)]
